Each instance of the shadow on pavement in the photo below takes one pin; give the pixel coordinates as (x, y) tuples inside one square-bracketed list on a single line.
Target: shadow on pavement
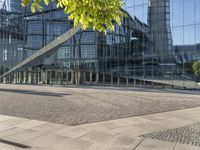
[(138, 89), (33, 92)]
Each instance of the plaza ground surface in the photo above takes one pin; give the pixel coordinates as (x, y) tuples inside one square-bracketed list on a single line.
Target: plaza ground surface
[(174, 130), (80, 105)]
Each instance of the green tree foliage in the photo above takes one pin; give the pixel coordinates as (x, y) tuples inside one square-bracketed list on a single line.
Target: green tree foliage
[(196, 68), (98, 14)]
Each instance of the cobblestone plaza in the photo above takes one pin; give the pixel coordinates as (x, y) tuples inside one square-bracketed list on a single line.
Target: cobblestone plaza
[(98, 118)]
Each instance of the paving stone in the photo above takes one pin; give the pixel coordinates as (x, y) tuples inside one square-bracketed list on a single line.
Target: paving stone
[(5, 127), (139, 120), (174, 122), (186, 135), (9, 147), (23, 136), (30, 124), (11, 131), (185, 147), (149, 144), (39, 148), (129, 131), (154, 117), (48, 127), (71, 144), (97, 146), (125, 140), (73, 132), (14, 122), (45, 141), (97, 136), (105, 125), (120, 148), (149, 127), (5, 118)]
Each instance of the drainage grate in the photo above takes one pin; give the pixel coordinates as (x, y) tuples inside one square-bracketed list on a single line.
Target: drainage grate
[(14, 144), (184, 135)]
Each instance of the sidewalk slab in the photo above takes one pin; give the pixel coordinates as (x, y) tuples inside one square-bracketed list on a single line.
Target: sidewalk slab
[(185, 147), (121, 134), (11, 131), (8, 147), (149, 144), (23, 136), (45, 140)]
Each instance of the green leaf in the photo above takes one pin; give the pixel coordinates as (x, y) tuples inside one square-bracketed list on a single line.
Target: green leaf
[(99, 14)]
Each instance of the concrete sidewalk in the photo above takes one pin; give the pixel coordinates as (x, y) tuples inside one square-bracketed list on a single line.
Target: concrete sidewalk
[(121, 134)]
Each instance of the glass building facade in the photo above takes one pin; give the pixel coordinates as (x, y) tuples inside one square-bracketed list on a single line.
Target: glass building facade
[(155, 46)]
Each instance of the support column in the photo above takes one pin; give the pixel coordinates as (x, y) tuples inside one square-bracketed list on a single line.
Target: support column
[(111, 77), (127, 82), (20, 77), (8, 79), (72, 77), (46, 76), (56, 77), (97, 77), (90, 77), (61, 78), (118, 80), (42, 75), (29, 76), (36, 76), (103, 77), (4, 79), (26, 73), (39, 74), (32, 76), (24, 77), (134, 82), (12, 78), (50, 77), (84, 77), (78, 77), (15, 77), (67, 77)]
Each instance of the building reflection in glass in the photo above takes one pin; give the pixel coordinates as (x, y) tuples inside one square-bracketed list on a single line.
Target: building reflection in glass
[(155, 46)]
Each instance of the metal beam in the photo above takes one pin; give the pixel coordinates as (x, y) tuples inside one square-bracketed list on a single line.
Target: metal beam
[(49, 47)]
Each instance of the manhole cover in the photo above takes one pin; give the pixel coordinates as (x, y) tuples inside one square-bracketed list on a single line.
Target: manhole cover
[(185, 135)]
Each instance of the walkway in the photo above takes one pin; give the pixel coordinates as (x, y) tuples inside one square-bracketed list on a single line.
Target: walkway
[(121, 134)]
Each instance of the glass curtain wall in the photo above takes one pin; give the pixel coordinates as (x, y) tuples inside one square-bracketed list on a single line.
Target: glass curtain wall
[(156, 46), (173, 46)]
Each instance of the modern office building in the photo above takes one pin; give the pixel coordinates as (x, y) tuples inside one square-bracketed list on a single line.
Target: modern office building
[(142, 52), (159, 29)]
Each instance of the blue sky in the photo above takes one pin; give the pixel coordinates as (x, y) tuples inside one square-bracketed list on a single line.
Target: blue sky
[(185, 18)]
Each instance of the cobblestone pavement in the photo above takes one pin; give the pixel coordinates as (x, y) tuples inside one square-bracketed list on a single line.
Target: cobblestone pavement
[(185, 135), (72, 106)]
